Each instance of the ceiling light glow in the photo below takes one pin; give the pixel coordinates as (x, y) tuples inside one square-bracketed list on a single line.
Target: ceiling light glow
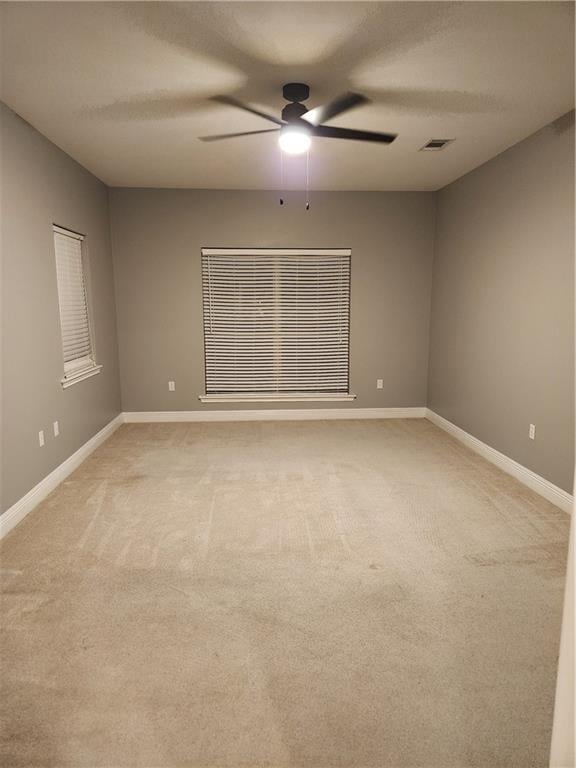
[(294, 141)]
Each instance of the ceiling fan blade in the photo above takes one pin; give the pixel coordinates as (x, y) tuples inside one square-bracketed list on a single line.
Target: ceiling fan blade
[(232, 102), (220, 136), (329, 132), (336, 107)]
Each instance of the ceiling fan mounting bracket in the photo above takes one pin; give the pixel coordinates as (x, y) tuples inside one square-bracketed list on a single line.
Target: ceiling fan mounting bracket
[(296, 92)]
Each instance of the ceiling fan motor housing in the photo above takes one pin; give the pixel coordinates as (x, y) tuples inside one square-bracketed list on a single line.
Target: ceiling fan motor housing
[(293, 111), (296, 91)]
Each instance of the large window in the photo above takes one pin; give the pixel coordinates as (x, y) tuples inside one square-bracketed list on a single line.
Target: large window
[(276, 323), (77, 343)]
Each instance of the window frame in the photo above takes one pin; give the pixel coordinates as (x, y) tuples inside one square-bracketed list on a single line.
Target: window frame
[(257, 397), (81, 368)]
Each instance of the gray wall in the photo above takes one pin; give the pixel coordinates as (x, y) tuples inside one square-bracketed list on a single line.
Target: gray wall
[(502, 325), (157, 236), (40, 185)]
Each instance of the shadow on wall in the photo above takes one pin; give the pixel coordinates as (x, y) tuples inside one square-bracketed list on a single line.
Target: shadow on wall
[(564, 123)]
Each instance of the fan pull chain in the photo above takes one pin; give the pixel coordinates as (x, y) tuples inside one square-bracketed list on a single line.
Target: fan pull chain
[(307, 179), (281, 177)]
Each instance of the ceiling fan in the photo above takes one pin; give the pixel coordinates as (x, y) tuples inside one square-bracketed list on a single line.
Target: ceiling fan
[(299, 125)]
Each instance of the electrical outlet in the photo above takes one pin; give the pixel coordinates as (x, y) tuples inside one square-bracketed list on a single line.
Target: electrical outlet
[(379, 383), (41, 438), (532, 432), (56, 428), (171, 386)]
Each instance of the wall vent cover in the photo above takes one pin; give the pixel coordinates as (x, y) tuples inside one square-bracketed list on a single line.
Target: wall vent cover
[(434, 145)]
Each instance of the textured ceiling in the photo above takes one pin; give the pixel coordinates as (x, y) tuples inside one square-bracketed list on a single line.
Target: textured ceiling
[(123, 87)]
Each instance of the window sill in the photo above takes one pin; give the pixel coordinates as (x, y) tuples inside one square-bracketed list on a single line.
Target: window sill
[(311, 397), (74, 378)]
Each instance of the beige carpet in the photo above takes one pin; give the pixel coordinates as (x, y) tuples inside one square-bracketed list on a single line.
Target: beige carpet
[(366, 594)]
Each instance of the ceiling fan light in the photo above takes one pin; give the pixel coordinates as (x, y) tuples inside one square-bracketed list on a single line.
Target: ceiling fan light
[(294, 141)]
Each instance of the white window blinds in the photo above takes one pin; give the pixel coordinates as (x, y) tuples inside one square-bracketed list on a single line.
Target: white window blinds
[(276, 321), (74, 320)]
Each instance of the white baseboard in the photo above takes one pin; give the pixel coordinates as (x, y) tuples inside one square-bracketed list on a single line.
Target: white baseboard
[(285, 414), (535, 482), (26, 504)]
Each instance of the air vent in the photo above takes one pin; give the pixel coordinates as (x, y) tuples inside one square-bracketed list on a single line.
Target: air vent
[(435, 145)]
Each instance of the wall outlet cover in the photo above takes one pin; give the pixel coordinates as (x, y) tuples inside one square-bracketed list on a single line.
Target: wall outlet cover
[(41, 438)]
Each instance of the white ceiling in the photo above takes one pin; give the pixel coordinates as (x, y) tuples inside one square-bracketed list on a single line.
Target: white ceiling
[(123, 87)]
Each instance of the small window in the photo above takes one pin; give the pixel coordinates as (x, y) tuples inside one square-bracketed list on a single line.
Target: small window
[(276, 324), (77, 345)]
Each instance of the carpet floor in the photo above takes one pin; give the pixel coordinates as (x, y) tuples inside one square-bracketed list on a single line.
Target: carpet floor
[(361, 594)]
